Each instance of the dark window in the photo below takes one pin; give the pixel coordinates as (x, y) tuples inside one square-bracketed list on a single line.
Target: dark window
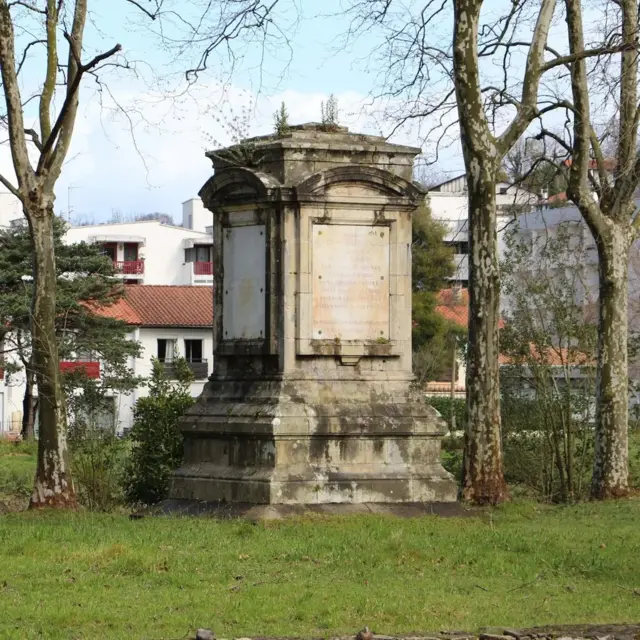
[(130, 252), (193, 350), (165, 350), (203, 253), (189, 255), (504, 191), (110, 250)]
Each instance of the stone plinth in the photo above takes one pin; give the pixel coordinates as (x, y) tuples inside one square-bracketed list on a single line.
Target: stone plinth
[(310, 399)]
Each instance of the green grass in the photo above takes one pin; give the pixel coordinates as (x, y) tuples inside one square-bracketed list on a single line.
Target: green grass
[(104, 576), (17, 470)]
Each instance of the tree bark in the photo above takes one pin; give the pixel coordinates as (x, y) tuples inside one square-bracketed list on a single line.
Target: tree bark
[(483, 480), (28, 405), (53, 485), (611, 459)]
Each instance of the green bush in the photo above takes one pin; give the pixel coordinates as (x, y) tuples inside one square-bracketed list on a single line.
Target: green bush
[(156, 442), (98, 464), (448, 406)]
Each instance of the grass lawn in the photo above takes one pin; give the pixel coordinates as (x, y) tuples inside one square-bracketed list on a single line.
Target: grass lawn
[(104, 576)]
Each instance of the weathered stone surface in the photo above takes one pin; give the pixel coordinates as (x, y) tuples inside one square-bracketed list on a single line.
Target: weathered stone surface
[(205, 634), (310, 399)]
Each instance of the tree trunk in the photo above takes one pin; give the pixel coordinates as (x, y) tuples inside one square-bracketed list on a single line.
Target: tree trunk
[(53, 485), (611, 459), (28, 405), (483, 480)]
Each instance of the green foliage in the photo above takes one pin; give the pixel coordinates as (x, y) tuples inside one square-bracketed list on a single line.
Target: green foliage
[(157, 443), (548, 389), (86, 280), (448, 407), (98, 463), (281, 120), (329, 113), (432, 263), (17, 469)]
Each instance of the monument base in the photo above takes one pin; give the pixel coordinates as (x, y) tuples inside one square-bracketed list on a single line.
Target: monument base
[(286, 441)]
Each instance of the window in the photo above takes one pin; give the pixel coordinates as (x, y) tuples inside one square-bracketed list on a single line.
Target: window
[(193, 350), (130, 252), (110, 250), (166, 349), (504, 191), (202, 253), (189, 255)]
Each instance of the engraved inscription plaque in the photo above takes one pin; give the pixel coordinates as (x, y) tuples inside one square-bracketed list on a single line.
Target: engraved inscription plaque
[(350, 282)]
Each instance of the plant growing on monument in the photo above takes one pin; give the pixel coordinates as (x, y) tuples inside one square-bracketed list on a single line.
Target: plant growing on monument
[(281, 120), (548, 385), (157, 443), (329, 113)]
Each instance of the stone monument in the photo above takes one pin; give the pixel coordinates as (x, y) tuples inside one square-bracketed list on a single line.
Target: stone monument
[(310, 398)]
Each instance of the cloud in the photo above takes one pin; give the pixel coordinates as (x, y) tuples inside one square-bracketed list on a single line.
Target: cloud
[(138, 151)]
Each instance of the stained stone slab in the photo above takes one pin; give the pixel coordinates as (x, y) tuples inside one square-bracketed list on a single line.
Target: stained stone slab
[(310, 400)]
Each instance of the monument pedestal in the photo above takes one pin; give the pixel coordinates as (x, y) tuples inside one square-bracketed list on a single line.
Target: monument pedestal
[(310, 400), (294, 441)]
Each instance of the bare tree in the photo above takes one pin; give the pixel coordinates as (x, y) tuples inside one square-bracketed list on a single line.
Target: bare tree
[(39, 152), (427, 81), (604, 193), (36, 175)]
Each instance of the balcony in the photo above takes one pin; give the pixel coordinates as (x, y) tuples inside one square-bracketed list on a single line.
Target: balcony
[(203, 268), (199, 368), (129, 267), (91, 369)]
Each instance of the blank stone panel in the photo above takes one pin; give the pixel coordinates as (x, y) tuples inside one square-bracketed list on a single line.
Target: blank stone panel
[(350, 282), (244, 260)]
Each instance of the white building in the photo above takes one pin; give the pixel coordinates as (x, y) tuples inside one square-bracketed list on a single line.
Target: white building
[(449, 204), (150, 252), (167, 321), (172, 260), (10, 210)]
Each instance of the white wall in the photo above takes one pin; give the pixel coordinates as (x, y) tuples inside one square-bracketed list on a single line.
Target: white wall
[(10, 209), (195, 216), (163, 249), (148, 338)]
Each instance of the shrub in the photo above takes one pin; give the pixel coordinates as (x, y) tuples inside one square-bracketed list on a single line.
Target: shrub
[(98, 464), (156, 442), (448, 407)]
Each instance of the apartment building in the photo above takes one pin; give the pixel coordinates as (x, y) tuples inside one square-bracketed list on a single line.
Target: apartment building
[(168, 273), (449, 203)]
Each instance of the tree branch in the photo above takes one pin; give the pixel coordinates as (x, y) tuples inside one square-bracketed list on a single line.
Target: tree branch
[(9, 186), (17, 141), (533, 72), (49, 85)]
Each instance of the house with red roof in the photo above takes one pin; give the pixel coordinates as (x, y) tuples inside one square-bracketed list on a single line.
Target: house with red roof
[(453, 305), (168, 322)]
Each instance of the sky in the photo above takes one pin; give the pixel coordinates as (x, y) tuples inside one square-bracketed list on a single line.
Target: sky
[(139, 140)]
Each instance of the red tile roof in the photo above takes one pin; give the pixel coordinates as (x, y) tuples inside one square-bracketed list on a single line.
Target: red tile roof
[(551, 356), (164, 306), (453, 305)]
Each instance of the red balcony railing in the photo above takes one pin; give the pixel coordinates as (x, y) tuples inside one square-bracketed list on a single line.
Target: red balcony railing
[(203, 268), (91, 369), (129, 267)]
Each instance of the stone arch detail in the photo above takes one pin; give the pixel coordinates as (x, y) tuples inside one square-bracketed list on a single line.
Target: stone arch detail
[(237, 182), (385, 182)]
